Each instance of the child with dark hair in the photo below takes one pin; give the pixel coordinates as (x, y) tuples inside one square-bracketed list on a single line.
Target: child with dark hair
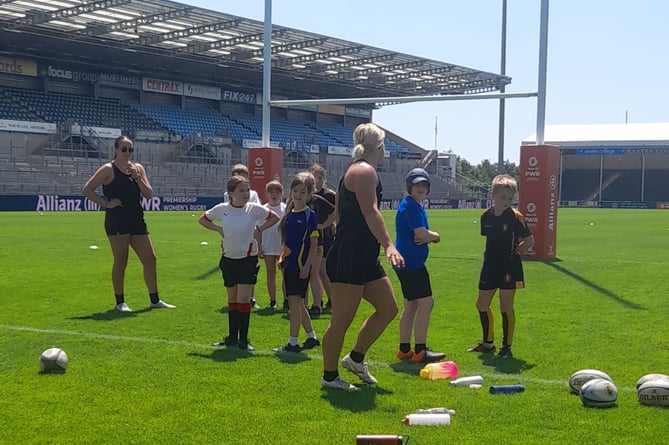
[(239, 261)]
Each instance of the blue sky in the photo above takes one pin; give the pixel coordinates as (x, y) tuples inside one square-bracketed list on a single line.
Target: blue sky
[(606, 60)]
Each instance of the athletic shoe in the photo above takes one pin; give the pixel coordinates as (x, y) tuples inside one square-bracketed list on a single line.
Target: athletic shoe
[(483, 347), (404, 355), (338, 383), (505, 352), (246, 346), (227, 341), (288, 348), (254, 304), (427, 356), (328, 306), (359, 369), (311, 343), (272, 305), (122, 307), (161, 305), (315, 311)]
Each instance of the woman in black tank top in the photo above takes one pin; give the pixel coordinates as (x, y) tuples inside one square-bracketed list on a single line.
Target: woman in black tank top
[(353, 262), (123, 184)]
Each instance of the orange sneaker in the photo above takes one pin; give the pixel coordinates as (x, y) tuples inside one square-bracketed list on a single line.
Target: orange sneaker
[(404, 355)]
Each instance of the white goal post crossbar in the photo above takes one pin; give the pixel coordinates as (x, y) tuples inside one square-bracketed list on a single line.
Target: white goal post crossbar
[(401, 99)]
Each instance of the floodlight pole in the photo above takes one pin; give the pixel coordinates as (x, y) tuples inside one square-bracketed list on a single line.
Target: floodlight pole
[(502, 89), (266, 73), (543, 62)]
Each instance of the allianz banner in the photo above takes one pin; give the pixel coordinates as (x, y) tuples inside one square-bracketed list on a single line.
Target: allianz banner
[(18, 66), (538, 197), (74, 203)]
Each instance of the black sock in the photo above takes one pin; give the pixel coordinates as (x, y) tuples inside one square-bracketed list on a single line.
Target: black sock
[(419, 347), (119, 298), (405, 347), (357, 357), (154, 297), (329, 376)]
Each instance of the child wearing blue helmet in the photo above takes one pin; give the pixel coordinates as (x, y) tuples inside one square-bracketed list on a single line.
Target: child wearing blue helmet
[(413, 235)]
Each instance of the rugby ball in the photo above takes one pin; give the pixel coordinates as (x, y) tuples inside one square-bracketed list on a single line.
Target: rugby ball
[(599, 393), (53, 360), (578, 378), (654, 393), (648, 378)]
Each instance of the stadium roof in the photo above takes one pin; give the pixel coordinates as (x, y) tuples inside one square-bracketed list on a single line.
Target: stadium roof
[(173, 39), (656, 133)]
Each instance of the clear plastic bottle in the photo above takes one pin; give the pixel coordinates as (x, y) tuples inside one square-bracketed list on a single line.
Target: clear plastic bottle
[(427, 419), (466, 381), (507, 389), (436, 411), (439, 370)]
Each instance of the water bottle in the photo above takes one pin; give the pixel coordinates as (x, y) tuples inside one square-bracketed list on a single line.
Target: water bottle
[(440, 370), (427, 419), (436, 411), (379, 439), (507, 389), (466, 381)]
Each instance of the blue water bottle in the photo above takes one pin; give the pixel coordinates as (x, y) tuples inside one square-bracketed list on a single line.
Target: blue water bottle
[(507, 389)]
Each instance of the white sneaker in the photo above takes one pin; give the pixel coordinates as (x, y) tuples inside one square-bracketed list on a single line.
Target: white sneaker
[(359, 369), (161, 305), (338, 383), (122, 307)]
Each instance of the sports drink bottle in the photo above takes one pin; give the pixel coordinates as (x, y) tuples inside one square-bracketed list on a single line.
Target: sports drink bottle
[(427, 419), (439, 370), (379, 439), (436, 411), (507, 389), (466, 381)]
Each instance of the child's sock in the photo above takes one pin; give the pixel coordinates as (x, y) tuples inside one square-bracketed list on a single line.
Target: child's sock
[(357, 357), (508, 326), (405, 347)]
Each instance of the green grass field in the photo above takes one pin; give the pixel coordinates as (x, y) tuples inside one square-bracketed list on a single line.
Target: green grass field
[(150, 377)]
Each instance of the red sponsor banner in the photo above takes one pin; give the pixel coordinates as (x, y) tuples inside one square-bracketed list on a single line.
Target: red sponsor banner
[(265, 165), (538, 197), (662, 205)]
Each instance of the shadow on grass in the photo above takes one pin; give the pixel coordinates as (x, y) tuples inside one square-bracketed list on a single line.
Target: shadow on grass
[(110, 315), (407, 367), (291, 358), (511, 365), (208, 273), (231, 354), (594, 286), (355, 402)]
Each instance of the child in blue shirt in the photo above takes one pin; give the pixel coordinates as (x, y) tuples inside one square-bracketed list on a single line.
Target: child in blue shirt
[(413, 235), (299, 233)]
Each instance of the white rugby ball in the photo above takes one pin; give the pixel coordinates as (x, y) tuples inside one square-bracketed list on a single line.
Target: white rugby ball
[(53, 360), (649, 377), (599, 393), (578, 378), (654, 393)]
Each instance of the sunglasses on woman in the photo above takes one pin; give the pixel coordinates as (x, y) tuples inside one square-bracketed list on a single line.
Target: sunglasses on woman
[(127, 149)]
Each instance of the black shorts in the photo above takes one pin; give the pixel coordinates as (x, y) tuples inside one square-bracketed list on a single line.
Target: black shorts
[(415, 283), (294, 284), (327, 244), (119, 225), (502, 274), (239, 271), (351, 265)]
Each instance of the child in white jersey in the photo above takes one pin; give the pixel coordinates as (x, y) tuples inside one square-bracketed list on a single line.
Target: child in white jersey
[(239, 262), (271, 240)]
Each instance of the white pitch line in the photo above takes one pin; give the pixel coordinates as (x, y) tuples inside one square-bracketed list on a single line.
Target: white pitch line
[(512, 377)]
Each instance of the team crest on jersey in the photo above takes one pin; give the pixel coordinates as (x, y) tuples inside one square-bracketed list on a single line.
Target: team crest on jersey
[(505, 227)]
